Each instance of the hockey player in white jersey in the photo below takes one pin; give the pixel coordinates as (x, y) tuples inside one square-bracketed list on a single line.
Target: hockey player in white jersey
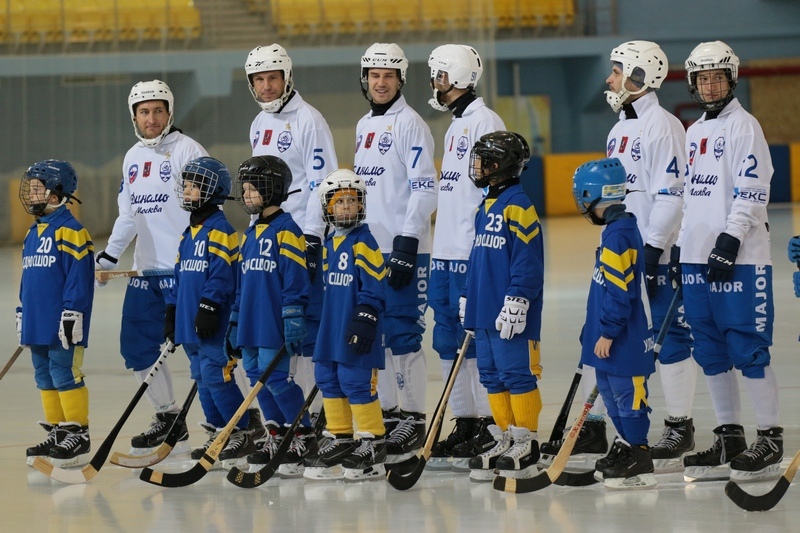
[(455, 71), (288, 127), (726, 270), (150, 212), (394, 157)]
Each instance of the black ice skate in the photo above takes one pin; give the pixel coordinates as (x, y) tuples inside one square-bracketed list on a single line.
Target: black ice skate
[(592, 442), (304, 443), (762, 460), (408, 437), (713, 464), (54, 435), (631, 469), (442, 452), (73, 448), (266, 447), (326, 463), (160, 426), (212, 432), (367, 461), (520, 460), (242, 442), (480, 441), (610, 458), (677, 438), (482, 467)]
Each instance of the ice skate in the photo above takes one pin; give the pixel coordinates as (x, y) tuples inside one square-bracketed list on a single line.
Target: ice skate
[(762, 461), (631, 469), (74, 446), (304, 443), (442, 453), (54, 435), (520, 460), (610, 458), (592, 443), (197, 453), (266, 447), (713, 464), (482, 467), (367, 461), (481, 441), (160, 426), (240, 445), (326, 463), (408, 437), (677, 439)]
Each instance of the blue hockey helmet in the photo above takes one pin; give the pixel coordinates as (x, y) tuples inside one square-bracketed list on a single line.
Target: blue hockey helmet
[(210, 177), (598, 183), (58, 177), (270, 176)]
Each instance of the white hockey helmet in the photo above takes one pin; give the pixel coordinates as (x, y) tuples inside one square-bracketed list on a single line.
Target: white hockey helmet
[(383, 55), (644, 63), (463, 66), (151, 90), (265, 59), (338, 184), (713, 55)]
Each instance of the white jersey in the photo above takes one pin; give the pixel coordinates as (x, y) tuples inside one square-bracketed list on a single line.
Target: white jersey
[(459, 198), (299, 136), (394, 156), (148, 207), (727, 186), (651, 148)]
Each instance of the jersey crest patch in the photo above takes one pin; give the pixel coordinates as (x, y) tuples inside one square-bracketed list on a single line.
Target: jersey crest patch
[(622, 144), (268, 138), (146, 171), (165, 171), (358, 142), (255, 139), (385, 142), (368, 142), (462, 148), (692, 151), (611, 145), (284, 140), (719, 147), (133, 172), (636, 149), (703, 145)]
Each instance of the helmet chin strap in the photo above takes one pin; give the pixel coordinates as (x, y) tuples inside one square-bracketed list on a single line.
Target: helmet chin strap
[(615, 100), (436, 101)]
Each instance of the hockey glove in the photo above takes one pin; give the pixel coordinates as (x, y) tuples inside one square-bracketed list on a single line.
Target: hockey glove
[(169, 324), (513, 317), (294, 328), (651, 257), (362, 329), (675, 272), (206, 321), (722, 258), (231, 337), (19, 325), (70, 331), (402, 260), (462, 311), (796, 278), (103, 261), (313, 255), (794, 249)]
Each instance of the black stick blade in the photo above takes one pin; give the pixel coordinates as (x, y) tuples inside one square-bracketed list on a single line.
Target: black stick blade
[(406, 481), (749, 502), (576, 479), (180, 479), (521, 486), (250, 480)]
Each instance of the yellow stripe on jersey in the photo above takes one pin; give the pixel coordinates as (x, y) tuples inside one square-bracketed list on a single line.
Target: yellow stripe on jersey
[(370, 260), (77, 243), (324, 259), (337, 240), (621, 263), (524, 223), (260, 228), (639, 393), (223, 245), (488, 203), (291, 246)]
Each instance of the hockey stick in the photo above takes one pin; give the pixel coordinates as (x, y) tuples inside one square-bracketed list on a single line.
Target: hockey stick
[(90, 470), (166, 447), (201, 468), (14, 356), (406, 481), (563, 415), (767, 501), (249, 480), (105, 275)]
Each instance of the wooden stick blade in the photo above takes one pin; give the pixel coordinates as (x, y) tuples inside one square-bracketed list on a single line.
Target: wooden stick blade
[(71, 476), (142, 461), (765, 502)]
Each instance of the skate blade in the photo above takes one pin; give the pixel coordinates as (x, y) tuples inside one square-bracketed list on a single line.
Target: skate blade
[(228, 464), (72, 462), (769, 473), (706, 473), (481, 475), (640, 482), (291, 470), (439, 463), (524, 473), (399, 458), (579, 461), (460, 464), (321, 473), (668, 466), (373, 472)]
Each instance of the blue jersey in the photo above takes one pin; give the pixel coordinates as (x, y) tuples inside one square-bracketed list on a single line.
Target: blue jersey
[(354, 271), (507, 259), (57, 275), (272, 274), (618, 308), (205, 268)]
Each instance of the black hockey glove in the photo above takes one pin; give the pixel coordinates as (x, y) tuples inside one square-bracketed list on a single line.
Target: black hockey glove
[(362, 329), (402, 260), (313, 255), (675, 267), (206, 321), (651, 257), (169, 324), (722, 258)]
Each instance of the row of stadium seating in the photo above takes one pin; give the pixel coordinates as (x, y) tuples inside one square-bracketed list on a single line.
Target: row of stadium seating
[(88, 21), (304, 17)]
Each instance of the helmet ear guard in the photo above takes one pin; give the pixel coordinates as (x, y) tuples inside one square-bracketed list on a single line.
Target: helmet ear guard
[(207, 174), (339, 185), (144, 91), (266, 59), (596, 184), (497, 157), (267, 175)]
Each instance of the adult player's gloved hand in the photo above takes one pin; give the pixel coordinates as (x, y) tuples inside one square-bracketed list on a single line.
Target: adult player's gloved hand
[(796, 278), (103, 261), (294, 328), (313, 255), (722, 258), (206, 321), (19, 325), (674, 267), (652, 255), (70, 331), (169, 324), (794, 249), (513, 317), (231, 337), (362, 329), (402, 260)]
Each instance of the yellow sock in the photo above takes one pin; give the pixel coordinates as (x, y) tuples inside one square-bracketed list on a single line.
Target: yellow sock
[(75, 404), (526, 408), (51, 403), (338, 415), (369, 417), (500, 404)]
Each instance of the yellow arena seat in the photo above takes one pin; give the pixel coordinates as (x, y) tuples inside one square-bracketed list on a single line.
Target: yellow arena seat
[(398, 16), (297, 17), (349, 16), (88, 21), (143, 19), (184, 20), (42, 21)]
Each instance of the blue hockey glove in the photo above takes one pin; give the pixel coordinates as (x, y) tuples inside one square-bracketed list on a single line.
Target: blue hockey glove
[(362, 329), (294, 328), (722, 258), (313, 255), (794, 249), (675, 271), (206, 321), (231, 336), (651, 257), (402, 260)]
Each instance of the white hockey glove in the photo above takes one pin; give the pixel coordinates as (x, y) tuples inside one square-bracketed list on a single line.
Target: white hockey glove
[(103, 261), (19, 325), (70, 331), (513, 317), (462, 309)]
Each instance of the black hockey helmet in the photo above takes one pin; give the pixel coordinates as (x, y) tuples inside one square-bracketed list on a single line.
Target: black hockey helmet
[(267, 174), (498, 156)]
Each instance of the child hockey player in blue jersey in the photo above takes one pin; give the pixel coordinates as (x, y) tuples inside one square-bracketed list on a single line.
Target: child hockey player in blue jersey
[(200, 300), (350, 347), (504, 286), (617, 338), (271, 298), (56, 294)]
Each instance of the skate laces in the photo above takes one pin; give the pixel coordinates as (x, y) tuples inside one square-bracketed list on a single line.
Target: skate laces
[(520, 448), (502, 440), (365, 449), (270, 443), (237, 440), (670, 439), (298, 445), (156, 426), (761, 447), (404, 430), (72, 440)]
